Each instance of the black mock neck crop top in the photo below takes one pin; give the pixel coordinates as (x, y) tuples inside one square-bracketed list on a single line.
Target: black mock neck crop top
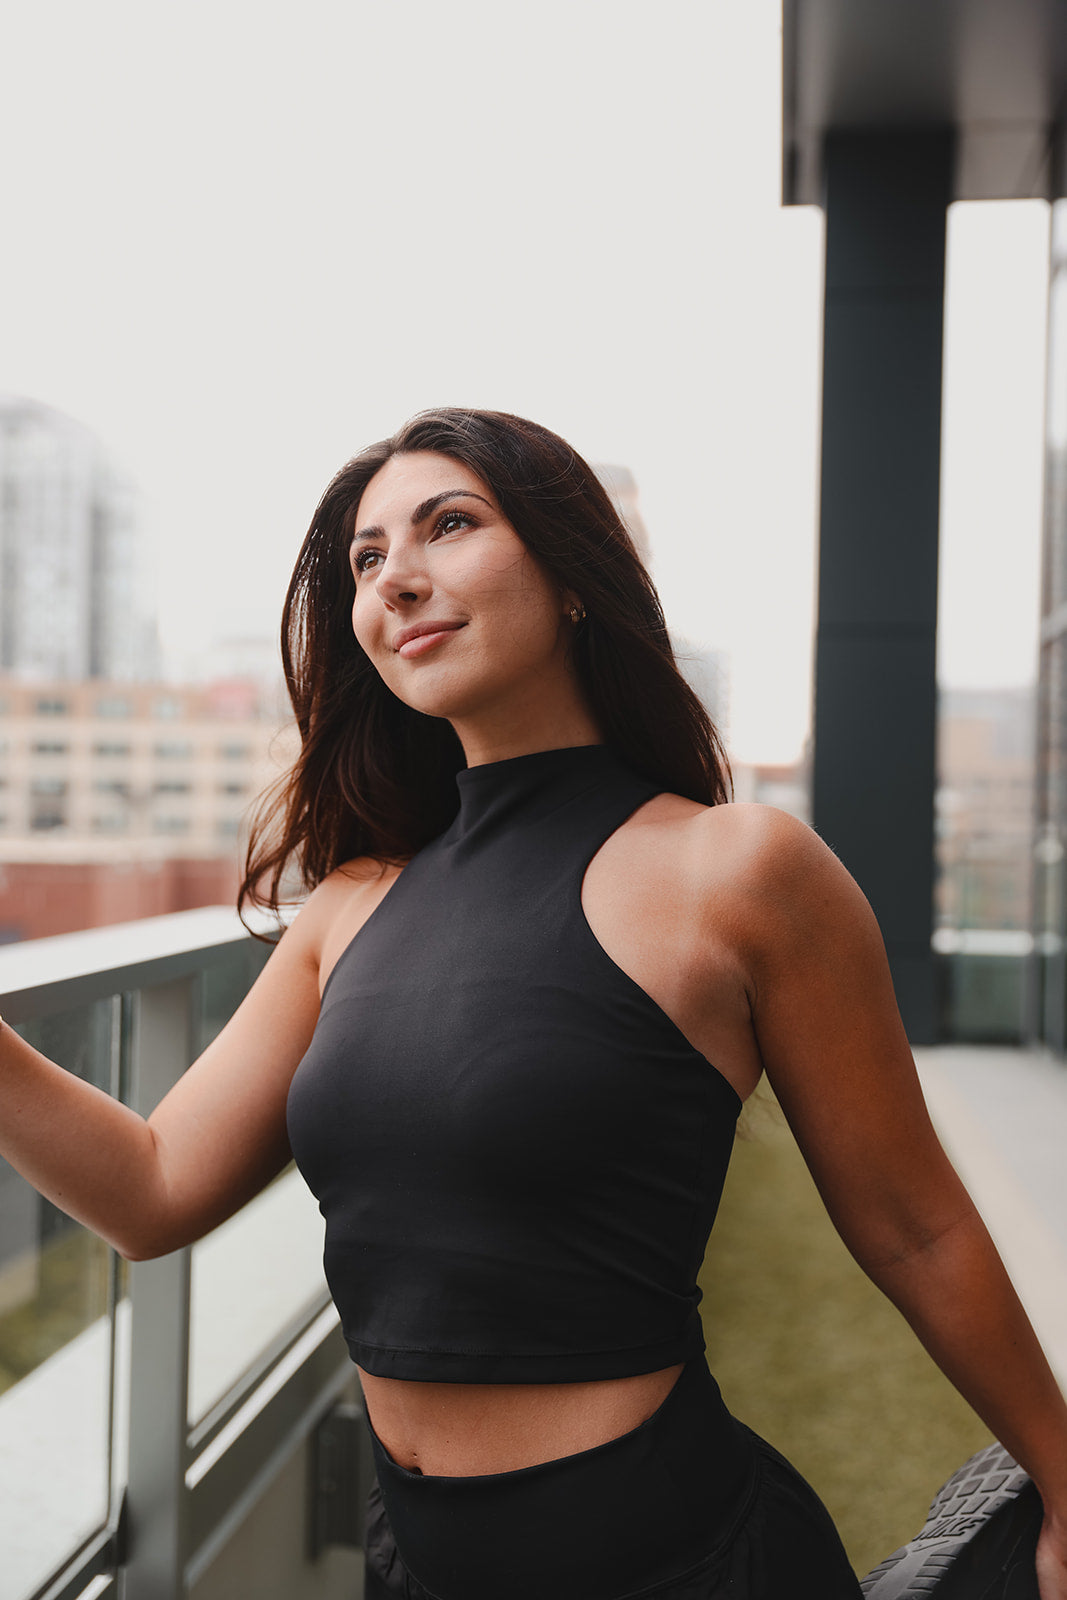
[(518, 1155)]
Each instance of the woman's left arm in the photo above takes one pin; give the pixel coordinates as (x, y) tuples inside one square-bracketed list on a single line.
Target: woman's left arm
[(836, 1055)]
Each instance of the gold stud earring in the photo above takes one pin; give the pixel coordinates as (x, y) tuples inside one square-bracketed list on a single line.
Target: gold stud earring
[(577, 613)]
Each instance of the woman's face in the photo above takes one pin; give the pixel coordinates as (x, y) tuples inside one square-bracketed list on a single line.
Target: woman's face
[(458, 617)]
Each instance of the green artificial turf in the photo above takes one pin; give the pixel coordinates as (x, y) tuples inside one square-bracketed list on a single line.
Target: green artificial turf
[(809, 1353), (72, 1292)]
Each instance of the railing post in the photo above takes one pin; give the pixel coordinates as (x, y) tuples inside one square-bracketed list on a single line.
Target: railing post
[(162, 1047)]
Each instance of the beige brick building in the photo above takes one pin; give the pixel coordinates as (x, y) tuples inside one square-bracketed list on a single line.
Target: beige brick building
[(149, 783)]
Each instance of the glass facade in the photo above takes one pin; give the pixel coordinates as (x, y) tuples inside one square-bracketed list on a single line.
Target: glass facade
[(984, 848)]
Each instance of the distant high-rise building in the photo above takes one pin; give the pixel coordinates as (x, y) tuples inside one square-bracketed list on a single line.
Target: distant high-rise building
[(707, 673), (622, 489), (72, 601)]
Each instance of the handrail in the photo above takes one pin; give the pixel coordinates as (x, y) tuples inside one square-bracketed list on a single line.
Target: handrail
[(72, 969), (190, 1482)]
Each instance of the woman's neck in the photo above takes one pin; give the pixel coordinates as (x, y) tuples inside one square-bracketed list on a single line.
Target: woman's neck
[(541, 728)]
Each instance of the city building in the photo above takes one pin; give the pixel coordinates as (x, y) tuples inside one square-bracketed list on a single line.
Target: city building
[(983, 903), (707, 673), (120, 800), (73, 578), (985, 809), (786, 785), (622, 488)]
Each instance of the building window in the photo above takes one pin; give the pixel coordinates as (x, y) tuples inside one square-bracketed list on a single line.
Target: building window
[(110, 786), (111, 822), (47, 810), (235, 752), (233, 788), (167, 708), (228, 827), (175, 787), (48, 786), (50, 747), (113, 706), (171, 825), (174, 752), (42, 821), (47, 706), (112, 749)]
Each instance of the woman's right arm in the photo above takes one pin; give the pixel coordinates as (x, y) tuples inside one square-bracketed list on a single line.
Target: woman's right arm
[(212, 1143)]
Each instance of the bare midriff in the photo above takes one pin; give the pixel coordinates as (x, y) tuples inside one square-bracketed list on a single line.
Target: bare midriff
[(461, 1430)]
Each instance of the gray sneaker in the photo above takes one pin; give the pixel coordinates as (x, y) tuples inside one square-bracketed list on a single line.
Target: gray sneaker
[(978, 1542)]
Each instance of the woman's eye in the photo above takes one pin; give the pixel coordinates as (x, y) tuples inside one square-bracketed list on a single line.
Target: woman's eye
[(363, 561), (449, 521)]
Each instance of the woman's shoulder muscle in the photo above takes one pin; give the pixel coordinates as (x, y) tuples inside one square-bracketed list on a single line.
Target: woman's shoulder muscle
[(759, 875), (780, 881), (675, 897), (741, 923), (799, 925), (830, 1036)]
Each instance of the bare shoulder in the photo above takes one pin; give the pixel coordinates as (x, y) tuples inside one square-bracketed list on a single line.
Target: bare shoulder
[(759, 885), (344, 884), (736, 825), (758, 838), (337, 908), (755, 857)]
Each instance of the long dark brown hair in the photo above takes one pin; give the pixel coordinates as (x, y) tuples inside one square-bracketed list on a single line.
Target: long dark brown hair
[(375, 778)]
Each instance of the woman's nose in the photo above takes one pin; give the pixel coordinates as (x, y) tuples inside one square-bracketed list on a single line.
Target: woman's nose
[(402, 576)]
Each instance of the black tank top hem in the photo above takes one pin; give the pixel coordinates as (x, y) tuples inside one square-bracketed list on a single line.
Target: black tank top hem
[(488, 1366)]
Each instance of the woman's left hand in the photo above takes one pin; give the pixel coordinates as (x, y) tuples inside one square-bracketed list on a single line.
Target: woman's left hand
[(1052, 1560)]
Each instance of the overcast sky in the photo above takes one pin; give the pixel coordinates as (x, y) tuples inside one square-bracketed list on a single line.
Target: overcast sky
[(242, 239)]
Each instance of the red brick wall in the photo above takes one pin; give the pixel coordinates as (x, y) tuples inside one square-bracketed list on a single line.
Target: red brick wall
[(42, 898)]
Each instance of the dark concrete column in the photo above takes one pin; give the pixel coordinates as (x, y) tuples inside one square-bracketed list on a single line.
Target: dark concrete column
[(875, 673)]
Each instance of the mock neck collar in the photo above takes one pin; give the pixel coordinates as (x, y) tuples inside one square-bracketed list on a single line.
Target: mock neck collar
[(529, 786)]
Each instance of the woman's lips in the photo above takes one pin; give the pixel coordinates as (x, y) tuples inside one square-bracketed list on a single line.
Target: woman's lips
[(424, 636)]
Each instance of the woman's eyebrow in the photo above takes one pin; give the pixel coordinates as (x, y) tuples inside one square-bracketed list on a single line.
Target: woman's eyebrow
[(422, 511)]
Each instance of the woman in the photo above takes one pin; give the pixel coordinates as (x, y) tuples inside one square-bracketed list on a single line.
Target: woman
[(494, 1028)]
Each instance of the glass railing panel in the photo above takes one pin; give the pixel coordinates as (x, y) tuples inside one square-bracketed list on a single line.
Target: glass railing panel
[(225, 983), (56, 1336), (257, 1275), (254, 1279)]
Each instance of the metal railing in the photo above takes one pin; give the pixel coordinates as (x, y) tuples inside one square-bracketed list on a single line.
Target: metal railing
[(181, 1485)]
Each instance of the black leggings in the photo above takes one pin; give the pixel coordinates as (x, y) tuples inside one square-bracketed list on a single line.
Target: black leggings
[(689, 1506)]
